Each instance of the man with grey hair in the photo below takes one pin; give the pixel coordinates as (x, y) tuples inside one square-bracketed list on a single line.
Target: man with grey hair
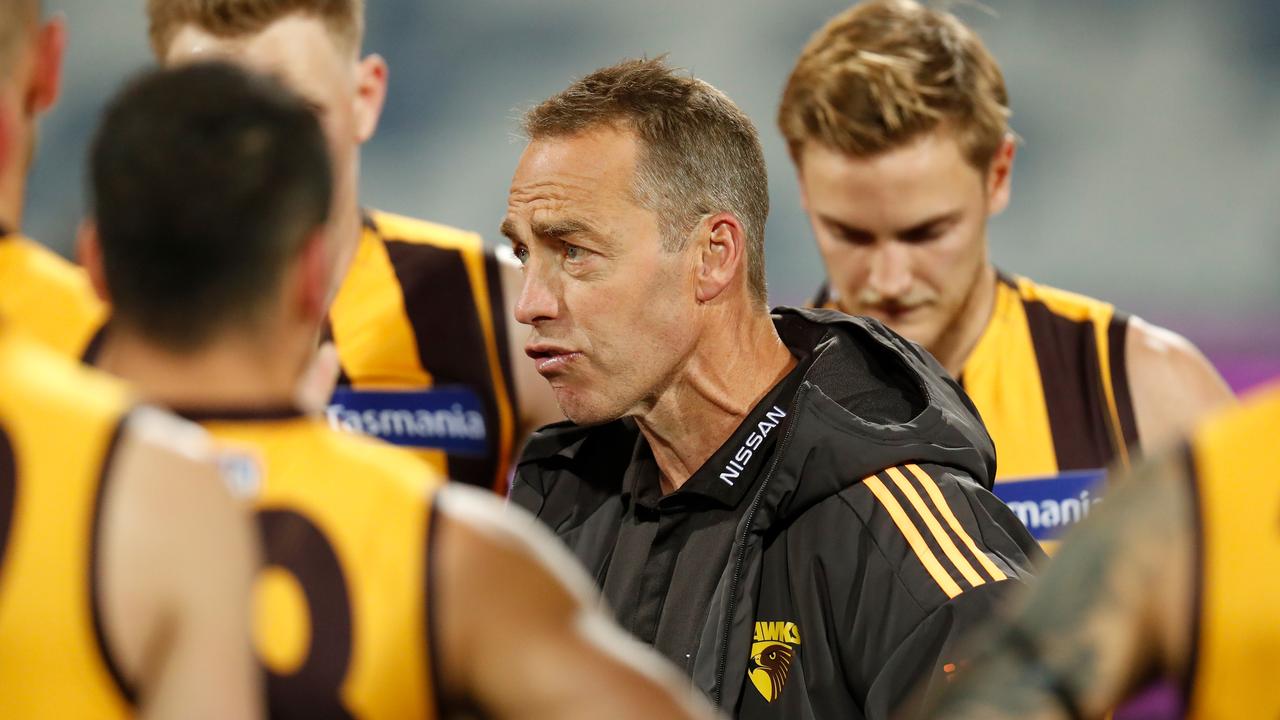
[(794, 507)]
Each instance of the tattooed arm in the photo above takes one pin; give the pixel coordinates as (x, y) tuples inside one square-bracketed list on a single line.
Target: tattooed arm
[(1112, 610)]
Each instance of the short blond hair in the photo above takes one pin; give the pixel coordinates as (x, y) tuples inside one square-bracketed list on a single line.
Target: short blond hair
[(885, 72), (235, 18)]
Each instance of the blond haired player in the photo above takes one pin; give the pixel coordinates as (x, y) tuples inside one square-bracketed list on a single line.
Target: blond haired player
[(383, 594), (421, 319), (896, 116), (43, 294)]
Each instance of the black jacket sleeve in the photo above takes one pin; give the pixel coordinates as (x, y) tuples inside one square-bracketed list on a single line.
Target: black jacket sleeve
[(935, 560), (925, 661)]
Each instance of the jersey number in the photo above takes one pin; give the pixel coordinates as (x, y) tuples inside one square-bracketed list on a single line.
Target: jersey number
[(293, 543)]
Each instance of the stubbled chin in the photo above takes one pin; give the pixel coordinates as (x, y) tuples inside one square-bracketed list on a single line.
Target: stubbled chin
[(580, 408), (569, 401)]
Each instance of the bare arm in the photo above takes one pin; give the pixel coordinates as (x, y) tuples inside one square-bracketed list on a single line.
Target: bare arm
[(1113, 608), (536, 401), (178, 558), (1172, 383), (521, 633)]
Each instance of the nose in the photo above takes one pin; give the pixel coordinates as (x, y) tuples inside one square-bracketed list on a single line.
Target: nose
[(890, 275), (538, 301)]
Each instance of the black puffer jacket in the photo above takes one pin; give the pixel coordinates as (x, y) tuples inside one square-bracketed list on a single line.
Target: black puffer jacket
[(872, 542)]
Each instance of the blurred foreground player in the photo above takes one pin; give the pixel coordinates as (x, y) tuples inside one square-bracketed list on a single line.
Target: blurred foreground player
[(43, 294), (384, 596), (421, 306), (897, 119), (124, 562), (1178, 575), (790, 507)]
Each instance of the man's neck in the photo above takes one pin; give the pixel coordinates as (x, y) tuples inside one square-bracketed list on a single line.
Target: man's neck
[(717, 387), (350, 230), (12, 190), (233, 373), (957, 342)]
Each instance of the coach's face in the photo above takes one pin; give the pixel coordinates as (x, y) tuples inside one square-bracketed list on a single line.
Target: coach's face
[(612, 312), (903, 233), (345, 92)]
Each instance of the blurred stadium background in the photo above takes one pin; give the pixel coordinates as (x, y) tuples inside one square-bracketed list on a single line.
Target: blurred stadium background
[(1149, 174)]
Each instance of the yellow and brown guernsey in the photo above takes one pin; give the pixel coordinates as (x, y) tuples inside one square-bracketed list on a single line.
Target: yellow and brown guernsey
[(1237, 496), (420, 329), (1049, 377), (46, 296), (59, 426), (341, 607)]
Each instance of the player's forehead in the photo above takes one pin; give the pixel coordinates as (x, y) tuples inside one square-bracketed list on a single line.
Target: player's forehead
[(299, 49), (897, 187)]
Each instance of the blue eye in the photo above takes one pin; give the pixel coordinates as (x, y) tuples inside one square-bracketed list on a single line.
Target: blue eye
[(572, 252)]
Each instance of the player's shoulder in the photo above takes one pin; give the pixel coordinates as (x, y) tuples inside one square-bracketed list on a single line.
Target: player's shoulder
[(1247, 430), (501, 541), (413, 231), (298, 458), (28, 261), (1173, 383), (1148, 342), (1064, 303), (48, 295), (40, 379), (365, 459)]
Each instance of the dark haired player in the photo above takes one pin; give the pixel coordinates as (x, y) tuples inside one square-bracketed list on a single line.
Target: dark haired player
[(384, 595), (124, 562)]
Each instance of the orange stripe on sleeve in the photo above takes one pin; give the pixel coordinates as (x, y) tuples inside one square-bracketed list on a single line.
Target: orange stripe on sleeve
[(913, 536), (940, 502), (944, 540)]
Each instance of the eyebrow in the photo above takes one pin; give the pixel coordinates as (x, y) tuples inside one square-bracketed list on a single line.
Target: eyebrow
[(508, 229), (555, 230), (939, 219)]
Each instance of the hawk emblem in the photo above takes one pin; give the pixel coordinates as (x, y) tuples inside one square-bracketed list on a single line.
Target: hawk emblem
[(772, 665)]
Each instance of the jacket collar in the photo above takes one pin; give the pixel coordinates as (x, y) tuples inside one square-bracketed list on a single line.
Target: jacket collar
[(869, 400)]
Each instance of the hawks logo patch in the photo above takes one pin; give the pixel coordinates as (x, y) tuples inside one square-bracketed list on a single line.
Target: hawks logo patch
[(772, 653)]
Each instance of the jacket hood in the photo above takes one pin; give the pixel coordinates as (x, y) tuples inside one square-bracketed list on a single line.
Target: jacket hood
[(869, 400)]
